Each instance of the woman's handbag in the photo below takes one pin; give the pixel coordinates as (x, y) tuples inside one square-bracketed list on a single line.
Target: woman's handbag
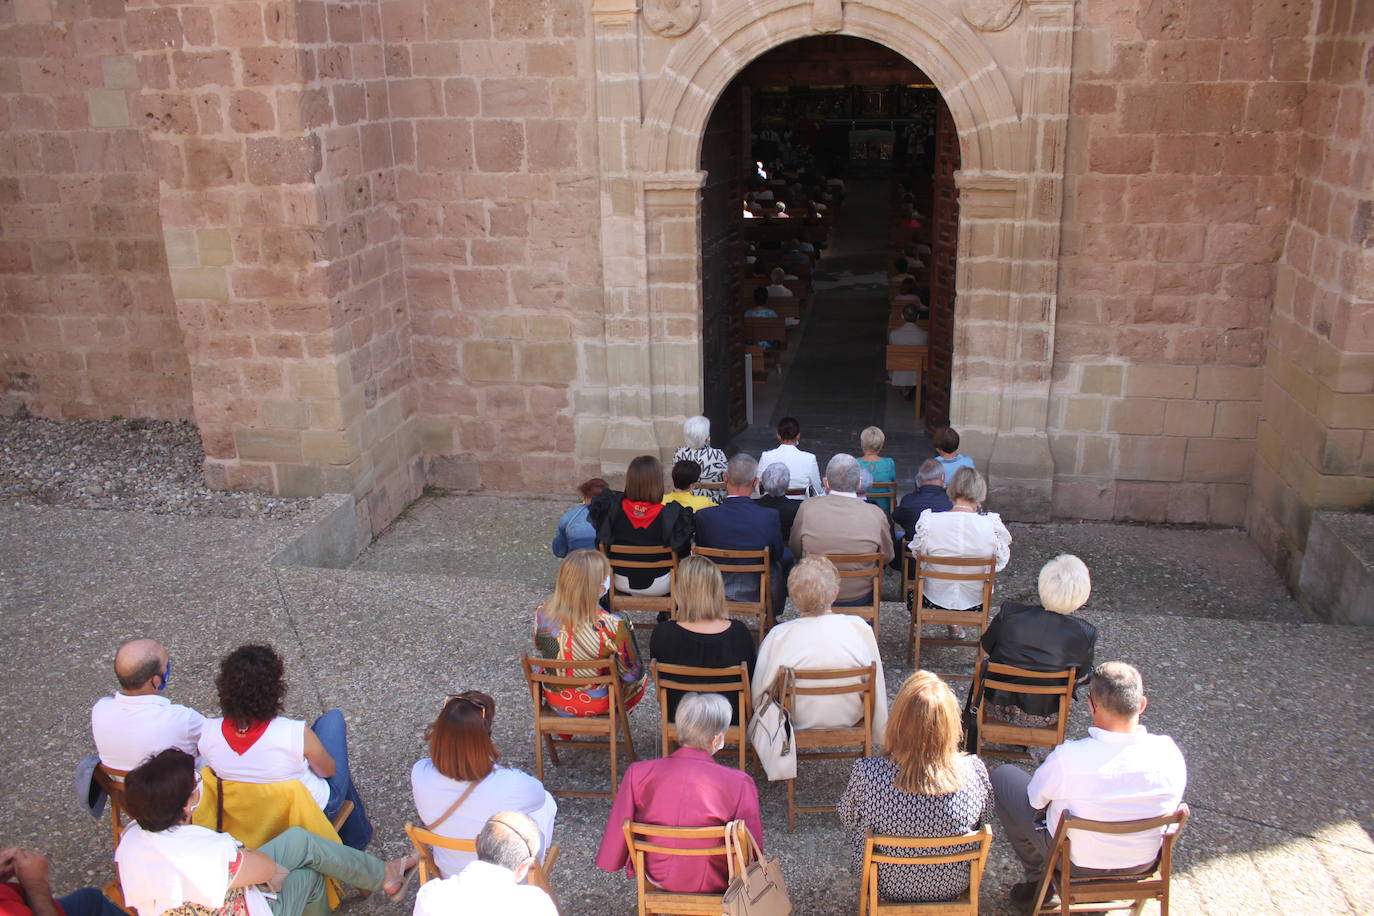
[(756, 885), (770, 731)]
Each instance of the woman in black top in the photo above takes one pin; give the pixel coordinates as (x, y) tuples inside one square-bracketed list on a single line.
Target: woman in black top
[(701, 635), (639, 518)]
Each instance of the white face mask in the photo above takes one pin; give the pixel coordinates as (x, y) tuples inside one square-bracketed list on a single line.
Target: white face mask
[(606, 586)]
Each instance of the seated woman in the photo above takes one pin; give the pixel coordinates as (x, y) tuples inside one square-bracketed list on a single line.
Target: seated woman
[(685, 789), (254, 742), (167, 863), (458, 786), (696, 433), (820, 639), (700, 634), (884, 470), (575, 532), (964, 531), (1044, 638), (639, 518), (920, 786), (572, 625)]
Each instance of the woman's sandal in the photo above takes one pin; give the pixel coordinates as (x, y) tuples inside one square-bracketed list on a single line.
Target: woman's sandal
[(407, 875)]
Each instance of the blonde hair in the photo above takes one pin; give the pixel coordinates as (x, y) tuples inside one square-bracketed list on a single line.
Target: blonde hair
[(577, 591), (699, 591), (968, 484), (813, 585), (923, 734), (872, 439), (1064, 584)]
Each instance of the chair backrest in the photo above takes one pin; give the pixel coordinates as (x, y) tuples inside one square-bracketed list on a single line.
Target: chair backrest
[(1153, 884), (860, 566), (903, 358), (717, 680), (798, 491), (111, 781), (745, 562), (577, 673), (425, 842), (640, 841), (885, 490), (709, 485), (662, 559), (805, 682), (934, 851), (966, 569)]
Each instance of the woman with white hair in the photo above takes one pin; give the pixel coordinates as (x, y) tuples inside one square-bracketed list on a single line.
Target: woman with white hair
[(964, 531), (1044, 637), (696, 432), (685, 789), (776, 478)]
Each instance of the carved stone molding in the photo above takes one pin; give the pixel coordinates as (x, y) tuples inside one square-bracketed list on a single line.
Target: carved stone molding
[(990, 15), (827, 15), (671, 18)]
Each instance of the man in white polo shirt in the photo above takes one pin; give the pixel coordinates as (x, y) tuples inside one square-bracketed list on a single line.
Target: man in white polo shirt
[(507, 849), (138, 721), (1120, 772)]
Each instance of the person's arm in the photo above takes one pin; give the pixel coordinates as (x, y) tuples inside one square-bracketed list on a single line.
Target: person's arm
[(884, 537), (30, 868), (319, 760), (747, 809), (560, 539), (614, 854), (817, 488), (1003, 538), (851, 806), (993, 632), (795, 541), (879, 691), (256, 868)]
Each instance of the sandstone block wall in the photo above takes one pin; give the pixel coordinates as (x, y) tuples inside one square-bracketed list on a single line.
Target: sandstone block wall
[(1316, 435), (88, 324), (1182, 143)]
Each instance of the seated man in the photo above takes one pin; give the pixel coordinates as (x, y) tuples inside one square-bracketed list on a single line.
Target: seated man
[(841, 522), (899, 273), (25, 891), (773, 485), (776, 280), (929, 494), (739, 523), (138, 720), (685, 474), (506, 851), (1120, 772)]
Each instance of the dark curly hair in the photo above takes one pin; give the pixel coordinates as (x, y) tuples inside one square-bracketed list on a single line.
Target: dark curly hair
[(156, 791), (251, 685)]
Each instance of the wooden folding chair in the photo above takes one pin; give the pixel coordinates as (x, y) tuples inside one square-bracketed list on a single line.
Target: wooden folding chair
[(639, 839), (719, 680), (995, 676), (800, 683), (111, 781), (738, 561), (868, 566), (1077, 894), (799, 491), (622, 557), (886, 490), (550, 727), (979, 569), (935, 851), (902, 358), (425, 842)]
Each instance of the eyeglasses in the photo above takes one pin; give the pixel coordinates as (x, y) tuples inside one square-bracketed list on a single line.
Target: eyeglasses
[(469, 699), (529, 853)]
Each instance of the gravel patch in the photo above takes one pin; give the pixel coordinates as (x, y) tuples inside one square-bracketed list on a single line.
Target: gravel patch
[(144, 465)]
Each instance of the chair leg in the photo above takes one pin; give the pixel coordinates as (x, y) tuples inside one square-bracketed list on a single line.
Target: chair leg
[(614, 740), (791, 802)]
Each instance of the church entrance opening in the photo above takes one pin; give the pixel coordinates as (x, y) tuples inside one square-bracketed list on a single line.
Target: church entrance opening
[(830, 158)]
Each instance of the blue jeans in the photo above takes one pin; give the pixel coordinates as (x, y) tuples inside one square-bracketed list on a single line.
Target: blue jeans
[(88, 902), (333, 734)]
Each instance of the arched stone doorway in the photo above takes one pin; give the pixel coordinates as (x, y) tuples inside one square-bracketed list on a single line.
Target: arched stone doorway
[(654, 95)]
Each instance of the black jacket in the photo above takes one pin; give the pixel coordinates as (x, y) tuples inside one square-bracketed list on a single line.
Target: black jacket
[(1028, 636), (787, 511), (930, 496), (673, 528)]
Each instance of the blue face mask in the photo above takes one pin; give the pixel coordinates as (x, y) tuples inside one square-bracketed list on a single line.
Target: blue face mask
[(166, 676)]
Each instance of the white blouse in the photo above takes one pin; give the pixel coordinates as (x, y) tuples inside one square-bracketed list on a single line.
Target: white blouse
[(801, 465), (960, 534), (278, 755), (186, 864), (502, 790)]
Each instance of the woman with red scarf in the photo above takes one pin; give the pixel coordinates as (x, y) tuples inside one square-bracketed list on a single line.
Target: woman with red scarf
[(639, 518), (255, 743)]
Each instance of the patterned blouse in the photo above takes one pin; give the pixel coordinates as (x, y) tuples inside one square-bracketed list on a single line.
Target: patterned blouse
[(712, 461), (608, 635), (872, 801)]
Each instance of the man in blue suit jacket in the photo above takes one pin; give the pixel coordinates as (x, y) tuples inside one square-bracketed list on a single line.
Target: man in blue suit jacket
[(929, 494), (739, 523)]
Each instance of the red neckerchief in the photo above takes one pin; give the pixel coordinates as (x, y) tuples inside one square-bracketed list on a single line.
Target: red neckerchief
[(641, 515), (240, 742)]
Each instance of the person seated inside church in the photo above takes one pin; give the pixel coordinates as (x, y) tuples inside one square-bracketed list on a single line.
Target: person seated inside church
[(685, 474), (779, 210), (899, 273), (907, 295), (906, 334), (795, 256), (761, 310), (777, 279)]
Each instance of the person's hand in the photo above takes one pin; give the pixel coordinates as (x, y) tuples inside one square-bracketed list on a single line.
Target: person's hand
[(278, 879), (7, 862), (31, 868)]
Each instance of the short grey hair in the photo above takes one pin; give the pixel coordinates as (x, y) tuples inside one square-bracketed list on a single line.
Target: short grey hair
[(842, 473), (865, 481), (700, 718), (742, 470), (776, 478), (696, 431), (968, 484), (508, 839), (1064, 584), (1117, 688), (931, 471), (872, 439)]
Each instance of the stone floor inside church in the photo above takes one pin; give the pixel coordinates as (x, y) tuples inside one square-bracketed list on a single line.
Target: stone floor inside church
[(1269, 706)]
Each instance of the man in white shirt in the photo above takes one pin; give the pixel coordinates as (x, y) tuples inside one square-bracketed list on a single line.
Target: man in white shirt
[(1120, 772), (506, 850), (138, 720), (801, 465)]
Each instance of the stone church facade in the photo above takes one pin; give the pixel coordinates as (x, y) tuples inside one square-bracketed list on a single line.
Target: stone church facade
[(372, 245)]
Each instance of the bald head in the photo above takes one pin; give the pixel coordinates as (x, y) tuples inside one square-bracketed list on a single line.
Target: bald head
[(137, 662), (508, 839)]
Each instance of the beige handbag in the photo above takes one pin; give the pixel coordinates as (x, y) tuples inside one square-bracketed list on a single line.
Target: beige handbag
[(770, 731), (756, 885)]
